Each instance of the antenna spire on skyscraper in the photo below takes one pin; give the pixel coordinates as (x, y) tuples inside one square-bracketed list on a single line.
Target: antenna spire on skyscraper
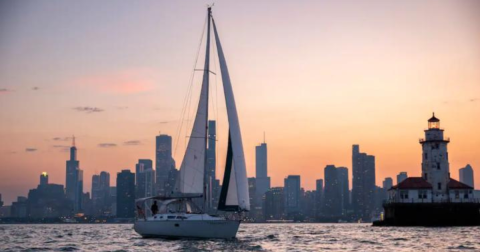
[(73, 140)]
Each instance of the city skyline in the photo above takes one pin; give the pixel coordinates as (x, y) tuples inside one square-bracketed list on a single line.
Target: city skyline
[(116, 104)]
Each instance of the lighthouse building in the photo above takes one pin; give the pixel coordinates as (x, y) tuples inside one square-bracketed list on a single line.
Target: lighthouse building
[(435, 185), (434, 198)]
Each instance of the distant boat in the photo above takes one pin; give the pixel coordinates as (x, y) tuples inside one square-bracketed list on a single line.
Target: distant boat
[(178, 215)]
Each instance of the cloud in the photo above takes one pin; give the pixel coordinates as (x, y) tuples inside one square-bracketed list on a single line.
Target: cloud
[(5, 90), (88, 109), (474, 99), (128, 81), (35, 88), (63, 139), (122, 108), (133, 142), (30, 149), (107, 145), (62, 147)]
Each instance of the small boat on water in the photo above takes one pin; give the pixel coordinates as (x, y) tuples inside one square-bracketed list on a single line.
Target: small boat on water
[(178, 215)]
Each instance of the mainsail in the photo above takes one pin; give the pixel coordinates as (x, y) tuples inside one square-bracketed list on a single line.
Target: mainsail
[(192, 170), (234, 195)]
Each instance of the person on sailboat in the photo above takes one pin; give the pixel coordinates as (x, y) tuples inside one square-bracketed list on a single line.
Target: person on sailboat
[(154, 208)]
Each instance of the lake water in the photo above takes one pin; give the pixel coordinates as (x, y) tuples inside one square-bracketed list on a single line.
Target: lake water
[(250, 237)]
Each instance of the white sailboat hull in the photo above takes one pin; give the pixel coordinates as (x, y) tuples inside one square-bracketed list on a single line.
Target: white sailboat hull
[(214, 228)]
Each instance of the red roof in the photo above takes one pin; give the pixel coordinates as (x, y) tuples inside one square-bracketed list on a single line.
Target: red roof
[(453, 184), (421, 183), (413, 183)]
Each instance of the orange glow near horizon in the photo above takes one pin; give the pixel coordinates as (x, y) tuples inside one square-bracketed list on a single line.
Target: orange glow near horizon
[(331, 75)]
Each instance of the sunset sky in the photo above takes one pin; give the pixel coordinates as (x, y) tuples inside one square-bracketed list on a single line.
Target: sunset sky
[(316, 76)]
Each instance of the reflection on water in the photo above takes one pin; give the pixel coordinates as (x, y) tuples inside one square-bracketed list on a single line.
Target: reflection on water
[(250, 237)]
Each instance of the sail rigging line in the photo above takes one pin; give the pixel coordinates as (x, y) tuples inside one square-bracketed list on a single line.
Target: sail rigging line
[(189, 91)]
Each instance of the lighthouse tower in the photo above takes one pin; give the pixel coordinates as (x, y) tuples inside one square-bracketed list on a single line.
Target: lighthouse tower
[(435, 166)]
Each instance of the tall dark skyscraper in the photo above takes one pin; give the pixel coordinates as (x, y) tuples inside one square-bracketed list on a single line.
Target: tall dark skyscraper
[(273, 208), (101, 194), (43, 179), (363, 186), (342, 175), (292, 195), (125, 194), (74, 180), (163, 163), (262, 180), (144, 179), (466, 175), (333, 196), (319, 198)]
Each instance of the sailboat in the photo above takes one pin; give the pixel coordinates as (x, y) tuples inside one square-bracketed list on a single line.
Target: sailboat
[(178, 216)]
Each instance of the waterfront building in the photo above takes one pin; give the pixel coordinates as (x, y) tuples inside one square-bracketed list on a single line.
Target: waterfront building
[(48, 201), (74, 180), (19, 208), (101, 194), (318, 198), (1, 202), (363, 184), (113, 201), (144, 179), (401, 177), (274, 204), (125, 194), (163, 163), (434, 198), (343, 183), (332, 193), (292, 195), (466, 175)]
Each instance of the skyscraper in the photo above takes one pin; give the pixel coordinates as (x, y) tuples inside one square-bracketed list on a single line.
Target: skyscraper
[(125, 194), (74, 180), (144, 179), (101, 194), (163, 162), (387, 183), (363, 183), (292, 195), (274, 205), (319, 198), (333, 200), (43, 179), (466, 175), (342, 175), (401, 177), (262, 180)]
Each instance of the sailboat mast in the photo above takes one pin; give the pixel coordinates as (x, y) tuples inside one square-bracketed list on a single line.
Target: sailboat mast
[(206, 80)]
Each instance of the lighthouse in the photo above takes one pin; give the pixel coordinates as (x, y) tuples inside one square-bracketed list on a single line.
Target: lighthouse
[(432, 199), (435, 166)]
